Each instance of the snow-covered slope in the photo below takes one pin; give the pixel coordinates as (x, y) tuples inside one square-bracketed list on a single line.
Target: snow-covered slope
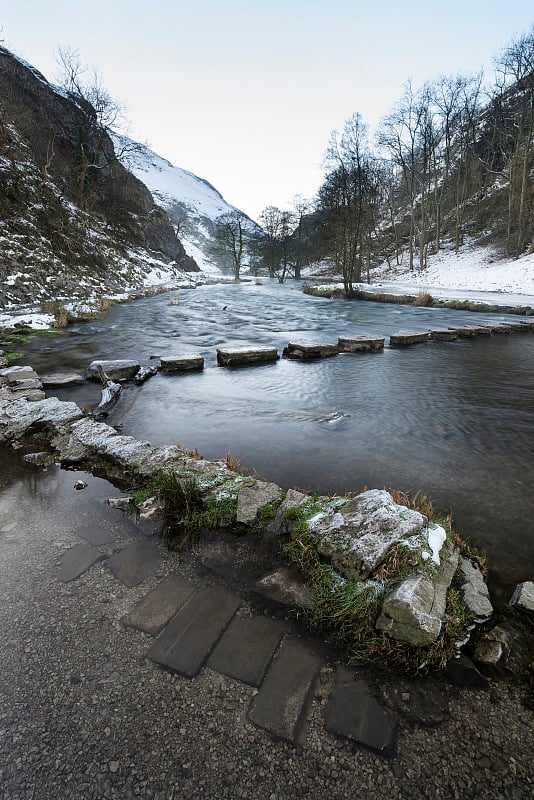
[(192, 203)]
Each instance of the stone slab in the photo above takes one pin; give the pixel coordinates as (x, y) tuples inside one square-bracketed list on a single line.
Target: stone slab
[(304, 350), (353, 713), (76, 561), (281, 704), (528, 324), (405, 338), (135, 563), (443, 334), (502, 327), (119, 369), (182, 363), (360, 344), (189, 638), (58, 379), (160, 605), (95, 535), (471, 331), (240, 356), (246, 648)]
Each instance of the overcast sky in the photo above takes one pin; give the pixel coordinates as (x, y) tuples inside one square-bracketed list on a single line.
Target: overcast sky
[(245, 93)]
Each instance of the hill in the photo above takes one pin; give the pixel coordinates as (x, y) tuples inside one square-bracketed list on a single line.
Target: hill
[(74, 223)]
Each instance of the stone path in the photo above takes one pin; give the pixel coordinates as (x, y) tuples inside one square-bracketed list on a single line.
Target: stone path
[(196, 627)]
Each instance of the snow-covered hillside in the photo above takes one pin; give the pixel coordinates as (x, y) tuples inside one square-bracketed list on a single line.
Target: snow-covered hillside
[(192, 203)]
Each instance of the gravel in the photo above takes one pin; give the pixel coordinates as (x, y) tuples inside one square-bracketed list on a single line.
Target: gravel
[(85, 716)]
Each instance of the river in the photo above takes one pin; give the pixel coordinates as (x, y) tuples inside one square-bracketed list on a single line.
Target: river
[(454, 420)]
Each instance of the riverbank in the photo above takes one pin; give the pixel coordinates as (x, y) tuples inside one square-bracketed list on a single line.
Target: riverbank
[(80, 700)]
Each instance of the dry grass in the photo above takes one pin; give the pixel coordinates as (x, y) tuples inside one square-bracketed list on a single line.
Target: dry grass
[(188, 452), (417, 502), (105, 303), (423, 299)]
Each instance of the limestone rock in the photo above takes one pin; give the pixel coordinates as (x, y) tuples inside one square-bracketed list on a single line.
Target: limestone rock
[(120, 503), (280, 525), (18, 417), (151, 508), (523, 596), (413, 612), (58, 379), (286, 586), (359, 535), (502, 652), (251, 498), (474, 591), (119, 369)]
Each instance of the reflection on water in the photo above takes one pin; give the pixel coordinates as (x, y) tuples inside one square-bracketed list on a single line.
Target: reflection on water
[(454, 420)]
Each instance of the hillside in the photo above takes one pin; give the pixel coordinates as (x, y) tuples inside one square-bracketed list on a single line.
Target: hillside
[(74, 223), (192, 203)]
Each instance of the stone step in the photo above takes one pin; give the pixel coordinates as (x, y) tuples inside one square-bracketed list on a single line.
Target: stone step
[(116, 370), (191, 635), (405, 338), (500, 328), (159, 605), (182, 363), (443, 334), (352, 712), (280, 706), (471, 331), (135, 563), (360, 344), (246, 648), (528, 324), (241, 356), (518, 326), (306, 350), (76, 561)]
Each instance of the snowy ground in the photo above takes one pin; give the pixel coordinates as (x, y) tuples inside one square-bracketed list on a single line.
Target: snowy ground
[(473, 270)]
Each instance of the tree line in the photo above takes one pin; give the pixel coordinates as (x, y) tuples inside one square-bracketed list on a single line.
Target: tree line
[(454, 158)]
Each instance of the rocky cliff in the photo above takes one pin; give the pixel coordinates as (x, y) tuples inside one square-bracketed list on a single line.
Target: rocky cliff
[(73, 220)]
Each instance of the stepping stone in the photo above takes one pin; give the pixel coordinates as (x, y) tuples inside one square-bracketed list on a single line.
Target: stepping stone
[(120, 369), (443, 334), (58, 379), (134, 564), (405, 338), (281, 704), (306, 350), (471, 331), (502, 327), (353, 713), (181, 363), (76, 561), (360, 344), (94, 535), (159, 605), (517, 326), (246, 648), (189, 638), (528, 324), (239, 356)]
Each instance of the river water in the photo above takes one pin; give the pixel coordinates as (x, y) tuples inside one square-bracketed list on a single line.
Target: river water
[(454, 420)]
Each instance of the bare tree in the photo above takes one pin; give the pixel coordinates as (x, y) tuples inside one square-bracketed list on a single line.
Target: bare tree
[(231, 238), (346, 199), (99, 118)]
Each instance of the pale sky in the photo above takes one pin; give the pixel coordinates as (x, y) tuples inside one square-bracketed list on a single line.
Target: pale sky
[(245, 93)]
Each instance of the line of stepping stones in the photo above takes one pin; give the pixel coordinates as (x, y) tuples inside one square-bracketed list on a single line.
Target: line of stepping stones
[(193, 628), (304, 350)]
